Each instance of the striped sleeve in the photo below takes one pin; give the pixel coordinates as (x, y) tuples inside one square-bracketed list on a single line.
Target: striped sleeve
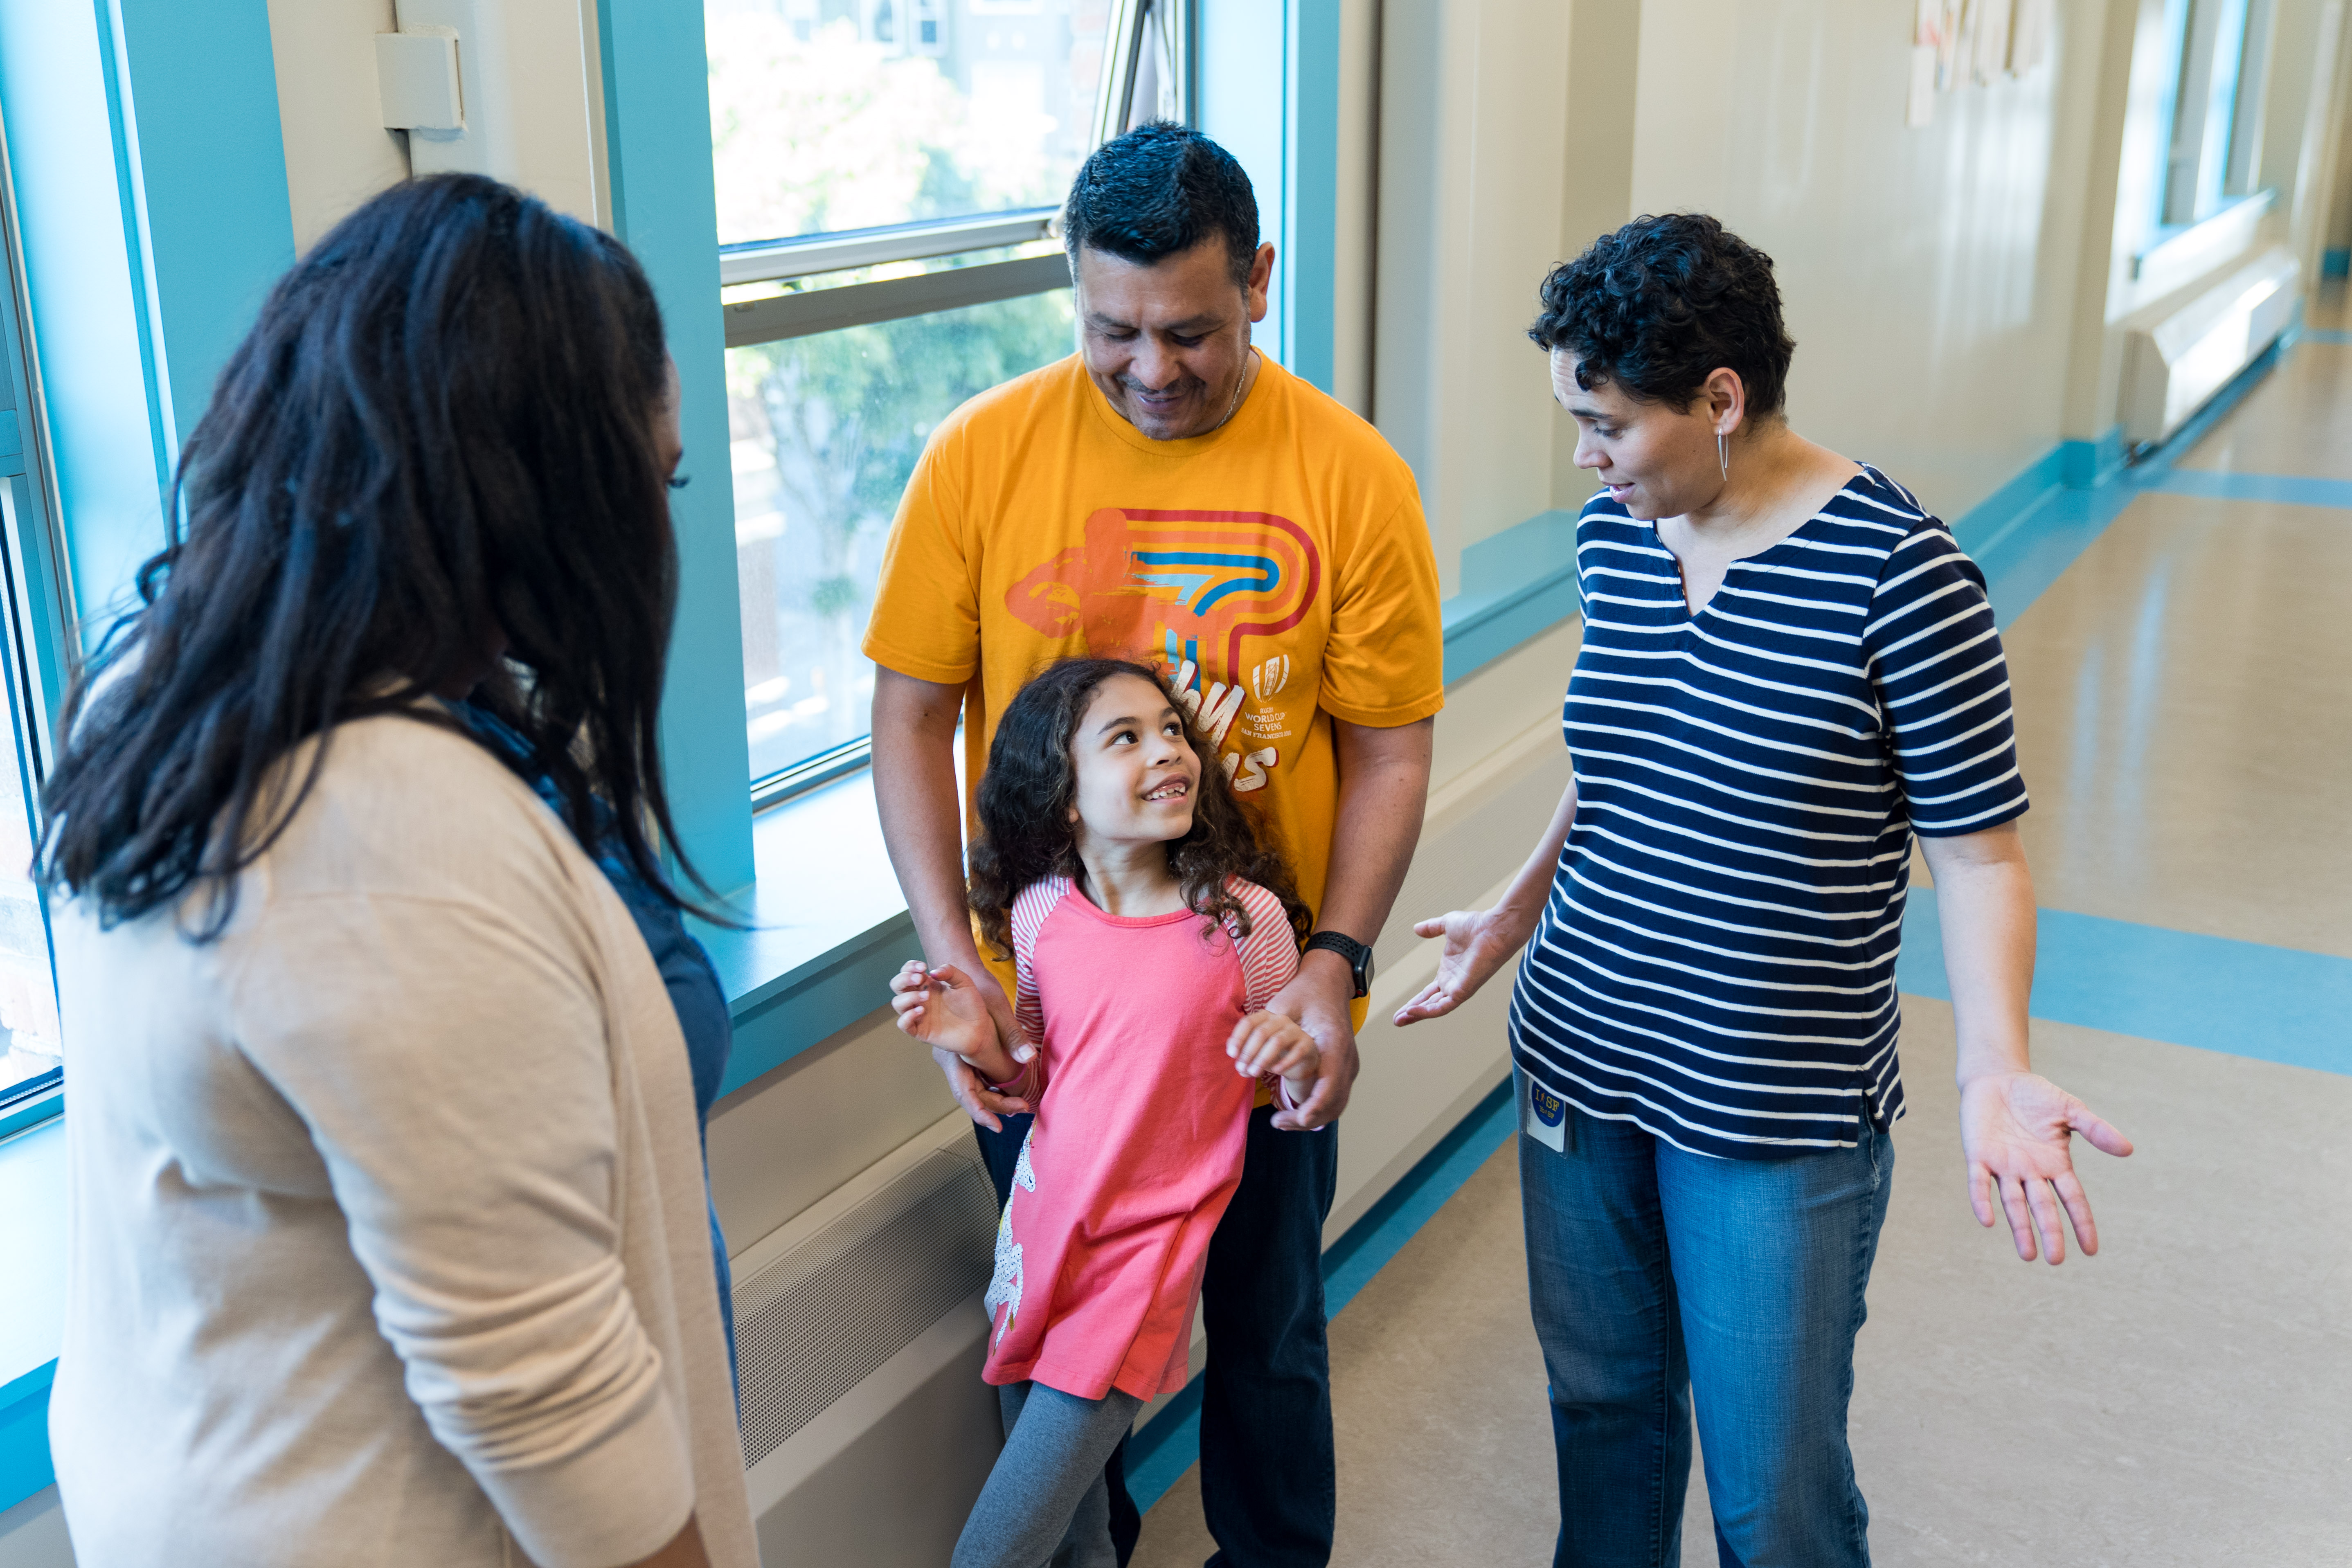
[(1030, 908), (1269, 954), (1934, 655)]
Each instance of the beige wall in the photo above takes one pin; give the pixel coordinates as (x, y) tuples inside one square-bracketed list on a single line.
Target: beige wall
[(338, 153), (1928, 275), (1958, 292)]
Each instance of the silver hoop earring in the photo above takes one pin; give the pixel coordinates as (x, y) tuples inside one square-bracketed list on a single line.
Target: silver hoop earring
[(1723, 452)]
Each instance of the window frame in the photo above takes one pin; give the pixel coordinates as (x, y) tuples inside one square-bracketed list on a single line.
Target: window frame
[(2227, 161), (39, 656), (807, 312)]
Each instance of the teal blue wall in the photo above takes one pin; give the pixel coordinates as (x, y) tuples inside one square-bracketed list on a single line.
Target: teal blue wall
[(657, 129), (88, 311), (151, 183), (150, 180), (1311, 127), (1268, 87), (198, 83)]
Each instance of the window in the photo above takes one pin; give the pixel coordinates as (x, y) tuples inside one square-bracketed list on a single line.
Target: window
[(887, 174), (2213, 154), (31, 628)]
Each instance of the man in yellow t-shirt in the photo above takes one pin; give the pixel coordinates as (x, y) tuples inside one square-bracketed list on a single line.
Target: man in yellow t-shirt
[(1168, 494)]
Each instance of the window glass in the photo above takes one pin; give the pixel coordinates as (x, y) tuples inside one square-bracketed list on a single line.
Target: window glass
[(826, 429), (845, 114), (2216, 105), (28, 997)]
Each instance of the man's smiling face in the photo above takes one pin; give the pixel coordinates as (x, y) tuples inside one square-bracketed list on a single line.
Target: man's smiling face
[(1168, 341)]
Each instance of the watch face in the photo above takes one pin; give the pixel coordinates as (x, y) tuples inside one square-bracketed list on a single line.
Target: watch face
[(1358, 956)]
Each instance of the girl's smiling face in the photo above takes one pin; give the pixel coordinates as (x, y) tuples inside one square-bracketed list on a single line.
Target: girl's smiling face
[(1136, 775)]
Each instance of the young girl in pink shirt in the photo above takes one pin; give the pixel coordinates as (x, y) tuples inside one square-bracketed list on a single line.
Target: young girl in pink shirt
[(1149, 926)]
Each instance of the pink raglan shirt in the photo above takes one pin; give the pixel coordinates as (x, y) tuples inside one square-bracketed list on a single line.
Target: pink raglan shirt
[(1137, 1146)]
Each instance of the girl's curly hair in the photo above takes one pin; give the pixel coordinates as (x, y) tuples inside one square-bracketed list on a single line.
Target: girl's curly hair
[(1027, 835)]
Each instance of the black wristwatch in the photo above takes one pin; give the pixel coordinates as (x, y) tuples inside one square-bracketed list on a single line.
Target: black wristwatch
[(1358, 956)]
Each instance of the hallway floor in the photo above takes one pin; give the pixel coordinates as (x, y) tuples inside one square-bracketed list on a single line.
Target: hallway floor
[(2184, 692)]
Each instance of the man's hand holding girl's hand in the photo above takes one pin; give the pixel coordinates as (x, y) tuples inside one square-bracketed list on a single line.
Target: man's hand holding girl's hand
[(941, 1009), (1265, 1043)]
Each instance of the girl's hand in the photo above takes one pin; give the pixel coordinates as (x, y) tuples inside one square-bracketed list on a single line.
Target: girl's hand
[(940, 1007), (1268, 1042), (1477, 943)]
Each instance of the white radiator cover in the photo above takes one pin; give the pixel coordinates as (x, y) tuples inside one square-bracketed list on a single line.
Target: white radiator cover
[(2176, 360), (858, 1334)]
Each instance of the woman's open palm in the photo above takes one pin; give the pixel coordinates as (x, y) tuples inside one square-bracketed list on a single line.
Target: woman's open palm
[(2016, 1136), (1477, 943)]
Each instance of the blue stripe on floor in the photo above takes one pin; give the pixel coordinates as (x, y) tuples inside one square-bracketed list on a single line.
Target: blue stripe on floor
[(2295, 490), (2325, 336), (2023, 557), (2022, 560), (2274, 1003), (1170, 1443)]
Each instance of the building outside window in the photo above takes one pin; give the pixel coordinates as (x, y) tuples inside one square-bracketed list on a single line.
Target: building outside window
[(887, 171)]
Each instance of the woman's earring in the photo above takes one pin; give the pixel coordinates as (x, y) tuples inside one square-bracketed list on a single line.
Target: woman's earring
[(1723, 451)]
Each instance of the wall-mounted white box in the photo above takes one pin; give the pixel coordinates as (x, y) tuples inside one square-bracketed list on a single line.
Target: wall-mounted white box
[(417, 80)]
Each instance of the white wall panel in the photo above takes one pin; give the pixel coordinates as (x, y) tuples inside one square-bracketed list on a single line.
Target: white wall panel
[(1926, 275), (782, 1143), (338, 153)]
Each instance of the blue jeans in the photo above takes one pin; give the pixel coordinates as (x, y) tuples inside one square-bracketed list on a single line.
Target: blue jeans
[(1657, 1275), (1269, 1486)]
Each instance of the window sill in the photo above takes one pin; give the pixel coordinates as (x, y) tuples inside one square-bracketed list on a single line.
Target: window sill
[(32, 1302), (2175, 255)]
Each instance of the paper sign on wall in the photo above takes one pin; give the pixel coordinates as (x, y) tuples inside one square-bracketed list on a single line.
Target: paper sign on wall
[(1954, 42)]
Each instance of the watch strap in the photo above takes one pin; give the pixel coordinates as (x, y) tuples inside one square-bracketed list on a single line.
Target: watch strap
[(1357, 955)]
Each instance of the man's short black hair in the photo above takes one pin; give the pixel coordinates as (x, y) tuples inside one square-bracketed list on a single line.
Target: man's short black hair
[(1157, 192), (1663, 302)]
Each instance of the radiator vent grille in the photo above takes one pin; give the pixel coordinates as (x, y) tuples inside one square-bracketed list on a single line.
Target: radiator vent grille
[(811, 1325)]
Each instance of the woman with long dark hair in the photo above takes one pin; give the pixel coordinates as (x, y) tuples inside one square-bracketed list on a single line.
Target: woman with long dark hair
[(389, 1224)]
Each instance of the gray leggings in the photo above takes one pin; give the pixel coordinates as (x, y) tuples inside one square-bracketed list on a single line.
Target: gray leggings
[(1045, 1505)]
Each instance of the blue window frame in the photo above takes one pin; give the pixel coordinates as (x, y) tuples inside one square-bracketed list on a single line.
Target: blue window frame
[(34, 615), (2214, 120)]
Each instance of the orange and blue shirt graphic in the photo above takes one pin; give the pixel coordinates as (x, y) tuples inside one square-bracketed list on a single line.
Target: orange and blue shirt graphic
[(1279, 568), (1154, 584)]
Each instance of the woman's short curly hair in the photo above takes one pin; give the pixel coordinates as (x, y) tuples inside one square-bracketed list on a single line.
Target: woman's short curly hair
[(1663, 302)]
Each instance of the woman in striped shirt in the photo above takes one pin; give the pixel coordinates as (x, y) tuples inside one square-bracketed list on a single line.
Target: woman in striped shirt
[(1789, 670)]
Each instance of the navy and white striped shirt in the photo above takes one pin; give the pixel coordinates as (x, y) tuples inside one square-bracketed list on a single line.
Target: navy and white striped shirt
[(1716, 960)]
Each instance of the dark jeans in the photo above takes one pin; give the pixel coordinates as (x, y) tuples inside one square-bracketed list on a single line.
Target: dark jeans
[(1268, 1480), (1657, 1275)]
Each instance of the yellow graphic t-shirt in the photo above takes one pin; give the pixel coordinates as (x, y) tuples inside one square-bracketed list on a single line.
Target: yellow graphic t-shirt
[(1278, 567)]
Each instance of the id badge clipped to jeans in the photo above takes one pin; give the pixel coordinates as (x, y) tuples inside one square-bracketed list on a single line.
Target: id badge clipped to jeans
[(1543, 1115)]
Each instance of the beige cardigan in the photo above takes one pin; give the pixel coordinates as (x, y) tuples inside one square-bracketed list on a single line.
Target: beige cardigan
[(389, 1242)]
